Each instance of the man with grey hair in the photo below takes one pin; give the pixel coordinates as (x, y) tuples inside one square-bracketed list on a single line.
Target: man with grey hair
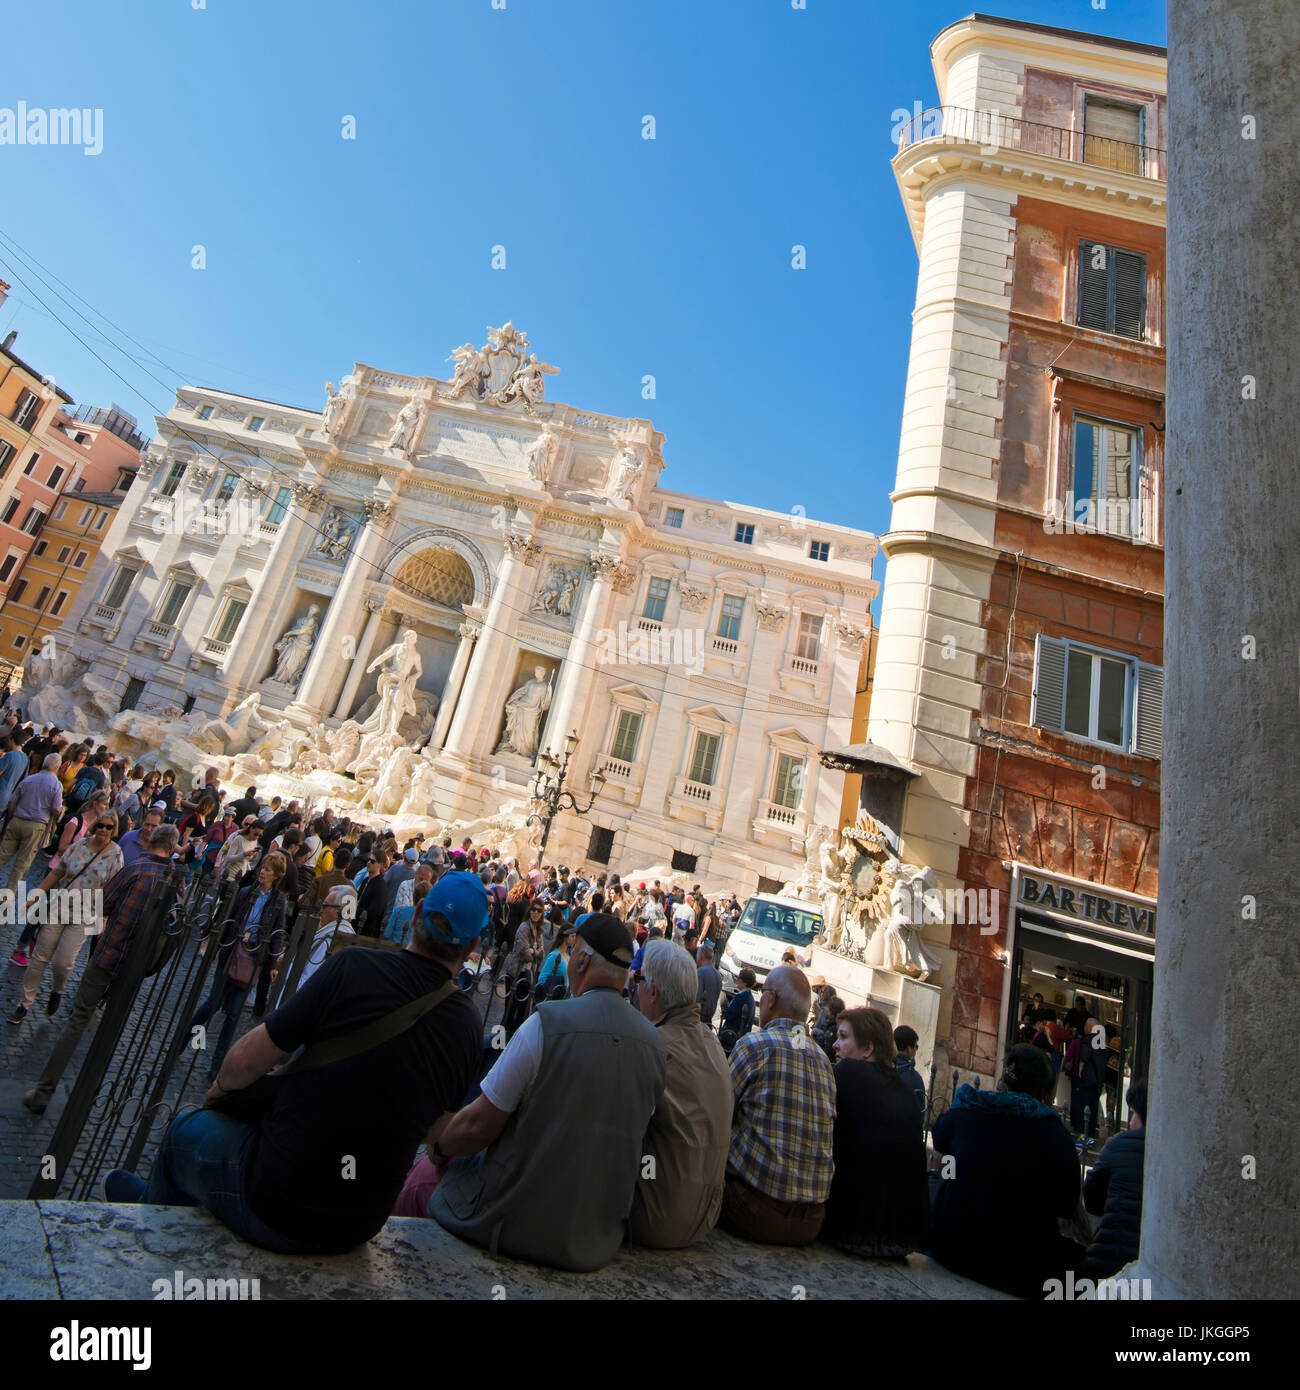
[(781, 1160), (710, 985), (337, 914), (128, 901), (684, 1154), (33, 808), (556, 1135)]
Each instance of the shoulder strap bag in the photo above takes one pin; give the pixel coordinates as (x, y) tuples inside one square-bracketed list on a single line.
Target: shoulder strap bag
[(250, 1103)]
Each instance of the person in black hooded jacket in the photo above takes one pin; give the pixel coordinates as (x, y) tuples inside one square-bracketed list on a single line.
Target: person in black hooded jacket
[(1011, 1172), (1113, 1191)]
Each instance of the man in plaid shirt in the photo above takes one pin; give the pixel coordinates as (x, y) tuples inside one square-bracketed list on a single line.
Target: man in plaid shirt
[(782, 1131), (126, 905)]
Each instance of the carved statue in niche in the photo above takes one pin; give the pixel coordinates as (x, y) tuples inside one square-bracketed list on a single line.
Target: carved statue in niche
[(914, 900), (540, 458), (401, 669), (336, 404), (405, 427), (294, 648), (626, 472), (524, 711)]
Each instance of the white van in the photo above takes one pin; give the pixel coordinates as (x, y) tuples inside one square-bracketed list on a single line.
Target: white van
[(768, 927)]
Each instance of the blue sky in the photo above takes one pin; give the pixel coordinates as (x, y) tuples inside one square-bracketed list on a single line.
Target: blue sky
[(520, 127)]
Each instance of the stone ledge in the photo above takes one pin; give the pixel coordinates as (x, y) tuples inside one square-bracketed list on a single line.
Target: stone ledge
[(98, 1250)]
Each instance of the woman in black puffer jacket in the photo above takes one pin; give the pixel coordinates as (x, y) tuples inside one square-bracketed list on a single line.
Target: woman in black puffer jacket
[(1113, 1191)]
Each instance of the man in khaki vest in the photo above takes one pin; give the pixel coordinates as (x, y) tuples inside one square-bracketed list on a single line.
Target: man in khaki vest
[(548, 1156)]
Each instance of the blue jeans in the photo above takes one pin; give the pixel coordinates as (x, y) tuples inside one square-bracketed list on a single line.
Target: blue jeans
[(200, 1163), (229, 998)]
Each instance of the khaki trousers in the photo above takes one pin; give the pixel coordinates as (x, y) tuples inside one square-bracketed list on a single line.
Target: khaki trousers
[(57, 945), (19, 845)]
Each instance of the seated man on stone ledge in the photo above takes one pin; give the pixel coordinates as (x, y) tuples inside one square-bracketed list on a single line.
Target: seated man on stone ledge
[(318, 1173), (556, 1135)]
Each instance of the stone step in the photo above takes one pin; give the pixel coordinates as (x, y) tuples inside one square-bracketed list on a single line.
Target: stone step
[(99, 1250)]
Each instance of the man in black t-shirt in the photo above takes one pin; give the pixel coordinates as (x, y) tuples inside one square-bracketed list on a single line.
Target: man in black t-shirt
[(320, 1171), (247, 805)]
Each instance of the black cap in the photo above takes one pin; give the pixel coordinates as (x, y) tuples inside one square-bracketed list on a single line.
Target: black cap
[(608, 937)]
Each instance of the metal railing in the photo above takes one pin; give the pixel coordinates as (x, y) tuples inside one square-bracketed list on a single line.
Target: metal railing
[(990, 131)]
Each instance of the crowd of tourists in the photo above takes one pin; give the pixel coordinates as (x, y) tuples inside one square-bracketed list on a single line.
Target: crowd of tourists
[(623, 1099)]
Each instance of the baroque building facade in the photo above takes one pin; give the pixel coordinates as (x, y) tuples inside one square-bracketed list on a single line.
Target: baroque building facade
[(704, 652), (1018, 680)]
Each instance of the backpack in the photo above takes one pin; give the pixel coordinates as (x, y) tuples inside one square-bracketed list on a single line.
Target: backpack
[(83, 787)]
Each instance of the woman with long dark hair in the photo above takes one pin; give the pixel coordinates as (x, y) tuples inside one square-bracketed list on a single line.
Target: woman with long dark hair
[(879, 1203)]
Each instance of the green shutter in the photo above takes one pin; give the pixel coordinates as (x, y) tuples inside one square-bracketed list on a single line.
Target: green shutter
[(1130, 275), (1094, 285), (1049, 684), (1148, 720)]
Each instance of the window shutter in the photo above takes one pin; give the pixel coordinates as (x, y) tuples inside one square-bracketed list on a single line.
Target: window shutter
[(1130, 293), (1093, 285), (1148, 721), (1049, 683)]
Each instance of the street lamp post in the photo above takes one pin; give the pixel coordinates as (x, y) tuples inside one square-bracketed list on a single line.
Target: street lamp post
[(549, 796)]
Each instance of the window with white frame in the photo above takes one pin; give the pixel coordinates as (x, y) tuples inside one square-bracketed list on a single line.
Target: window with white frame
[(225, 492), (1107, 459), (11, 507), (80, 560), (7, 452), (20, 641), (819, 550), (744, 533), (256, 422), (674, 516), (64, 553), (17, 592), (7, 567), (61, 510), (56, 476), (279, 509), (100, 520), (31, 465), (231, 615), (788, 781), (86, 514), (42, 594), (729, 617), (656, 600), (119, 587), (39, 548), (1103, 697), (25, 409), (175, 594), (205, 412), (704, 758), (57, 607), (808, 641), (172, 481), (627, 735), (33, 521)]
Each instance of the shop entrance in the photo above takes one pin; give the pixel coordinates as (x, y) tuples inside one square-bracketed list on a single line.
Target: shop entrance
[(1071, 973)]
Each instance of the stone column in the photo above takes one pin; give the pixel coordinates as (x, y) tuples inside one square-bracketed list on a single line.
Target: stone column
[(1220, 1218), (250, 652), (469, 634), (360, 658), (494, 647), (577, 673), (323, 676)]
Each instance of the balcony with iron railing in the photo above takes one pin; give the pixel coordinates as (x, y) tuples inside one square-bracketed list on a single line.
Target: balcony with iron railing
[(994, 133)]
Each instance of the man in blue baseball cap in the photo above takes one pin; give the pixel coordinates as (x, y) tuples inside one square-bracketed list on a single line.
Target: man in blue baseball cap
[(319, 1172)]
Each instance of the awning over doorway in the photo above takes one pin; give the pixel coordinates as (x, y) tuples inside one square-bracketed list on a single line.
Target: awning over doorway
[(869, 759)]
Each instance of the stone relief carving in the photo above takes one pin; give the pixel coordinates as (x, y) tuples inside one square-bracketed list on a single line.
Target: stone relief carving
[(851, 635), (377, 512), (502, 372), (693, 598), (310, 496), (710, 519), (559, 591), (337, 532), (770, 615)]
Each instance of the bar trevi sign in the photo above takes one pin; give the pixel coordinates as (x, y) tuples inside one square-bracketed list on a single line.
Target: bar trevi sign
[(1073, 901)]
